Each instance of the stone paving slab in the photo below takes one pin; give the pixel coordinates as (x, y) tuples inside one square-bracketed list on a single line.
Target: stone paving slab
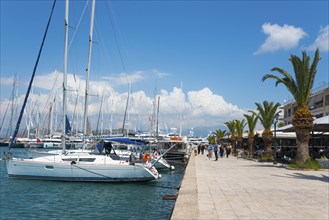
[(232, 188)]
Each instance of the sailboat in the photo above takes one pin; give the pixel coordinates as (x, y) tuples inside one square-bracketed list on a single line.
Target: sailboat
[(78, 166)]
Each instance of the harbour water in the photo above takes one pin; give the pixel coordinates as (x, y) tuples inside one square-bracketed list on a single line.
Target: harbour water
[(34, 199)]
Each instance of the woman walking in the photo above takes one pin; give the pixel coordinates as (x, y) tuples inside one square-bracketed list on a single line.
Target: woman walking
[(210, 148)]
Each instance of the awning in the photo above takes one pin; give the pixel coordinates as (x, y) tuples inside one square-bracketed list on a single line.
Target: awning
[(125, 140), (319, 125)]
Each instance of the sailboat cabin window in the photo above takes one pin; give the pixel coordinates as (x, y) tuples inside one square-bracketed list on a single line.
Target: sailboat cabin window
[(70, 159), (87, 159)]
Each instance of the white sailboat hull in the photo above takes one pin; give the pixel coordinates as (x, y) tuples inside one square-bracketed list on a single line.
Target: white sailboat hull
[(161, 164), (41, 169)]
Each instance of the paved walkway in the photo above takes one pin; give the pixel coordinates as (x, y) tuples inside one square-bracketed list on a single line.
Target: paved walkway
[(232, 188)]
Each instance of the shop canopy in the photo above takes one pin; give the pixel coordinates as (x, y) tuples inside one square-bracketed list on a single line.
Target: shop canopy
[(319, 125)]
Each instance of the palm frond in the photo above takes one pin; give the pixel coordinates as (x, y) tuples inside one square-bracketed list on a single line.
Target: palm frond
[(300, 87)]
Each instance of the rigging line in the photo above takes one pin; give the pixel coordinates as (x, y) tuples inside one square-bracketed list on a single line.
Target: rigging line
[(71, 42), (50, 95), (116, 40), (32, 77), (99, 113), (79, 22), (91, 171), (4, 117), (12, 99)]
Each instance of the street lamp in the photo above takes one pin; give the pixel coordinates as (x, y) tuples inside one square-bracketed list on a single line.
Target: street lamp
[(275, 121)]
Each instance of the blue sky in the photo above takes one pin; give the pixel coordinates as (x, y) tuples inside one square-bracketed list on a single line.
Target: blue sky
[(205, 58)]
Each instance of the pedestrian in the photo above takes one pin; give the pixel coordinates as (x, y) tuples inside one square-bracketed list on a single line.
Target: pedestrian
[(210, 148), (199, 148), (221, 151), (228, 150), (216, 151), (202, 148)]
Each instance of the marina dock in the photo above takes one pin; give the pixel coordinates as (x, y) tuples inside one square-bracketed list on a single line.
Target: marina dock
[(236, 188)]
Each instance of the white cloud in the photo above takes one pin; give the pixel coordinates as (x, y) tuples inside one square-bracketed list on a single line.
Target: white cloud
[(6, 81), (204, 103), (125, 79), (193, 109), (160, 74), (322, 41), (280, 37)]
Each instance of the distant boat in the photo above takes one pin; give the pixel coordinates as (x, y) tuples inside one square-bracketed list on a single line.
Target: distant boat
[(4, 143), (45, 143), (177, 149), (79, 166), (134, 147)]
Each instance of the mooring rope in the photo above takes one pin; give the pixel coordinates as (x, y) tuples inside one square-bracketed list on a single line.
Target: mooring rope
[(107, 177)]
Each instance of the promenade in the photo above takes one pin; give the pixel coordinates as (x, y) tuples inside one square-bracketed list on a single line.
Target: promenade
[(236, 188)]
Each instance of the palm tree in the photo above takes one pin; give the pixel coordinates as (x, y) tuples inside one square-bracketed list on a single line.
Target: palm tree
[(231, 127), (239, 126), (212, 139), (251, 121), (266, 116), (300, 89), (220, 134)]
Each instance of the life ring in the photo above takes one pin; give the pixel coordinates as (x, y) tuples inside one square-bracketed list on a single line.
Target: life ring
[(145, 157), (176, 138)]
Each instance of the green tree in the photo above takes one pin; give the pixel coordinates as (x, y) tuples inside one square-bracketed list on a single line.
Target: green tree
[(212, 139), (239, 126), (251, 122), (267, 112), (300, 88), (220, 134), (231, 127)]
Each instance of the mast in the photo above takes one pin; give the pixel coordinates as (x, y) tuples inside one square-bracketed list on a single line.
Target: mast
[(125, 115), (100, 115), (19, 120), (157, 123), (13, 102), (65, 74), (111, 109), (153, 118), (88, 67), (49, 118), (181, 114)]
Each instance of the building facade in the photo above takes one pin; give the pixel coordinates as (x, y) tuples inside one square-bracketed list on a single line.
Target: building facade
[(318, 104)]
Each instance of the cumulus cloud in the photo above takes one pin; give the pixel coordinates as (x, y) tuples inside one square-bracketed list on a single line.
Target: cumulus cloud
[(193, 109), (204, 103), (322, 41), (280, 37)]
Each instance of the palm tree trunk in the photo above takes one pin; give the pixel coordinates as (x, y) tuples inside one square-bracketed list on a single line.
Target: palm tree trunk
[(302, 138), (303, 123), (233, 141), (267, 140), (251, 146)]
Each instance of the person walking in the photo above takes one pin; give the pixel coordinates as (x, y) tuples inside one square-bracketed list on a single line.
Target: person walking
[(216, 151), (228, 150), (202, 149), (210, 148), (221, 151)]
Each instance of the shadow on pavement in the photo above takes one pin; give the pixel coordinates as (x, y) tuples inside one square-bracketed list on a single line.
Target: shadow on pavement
[(266, 165), (322, 178)]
